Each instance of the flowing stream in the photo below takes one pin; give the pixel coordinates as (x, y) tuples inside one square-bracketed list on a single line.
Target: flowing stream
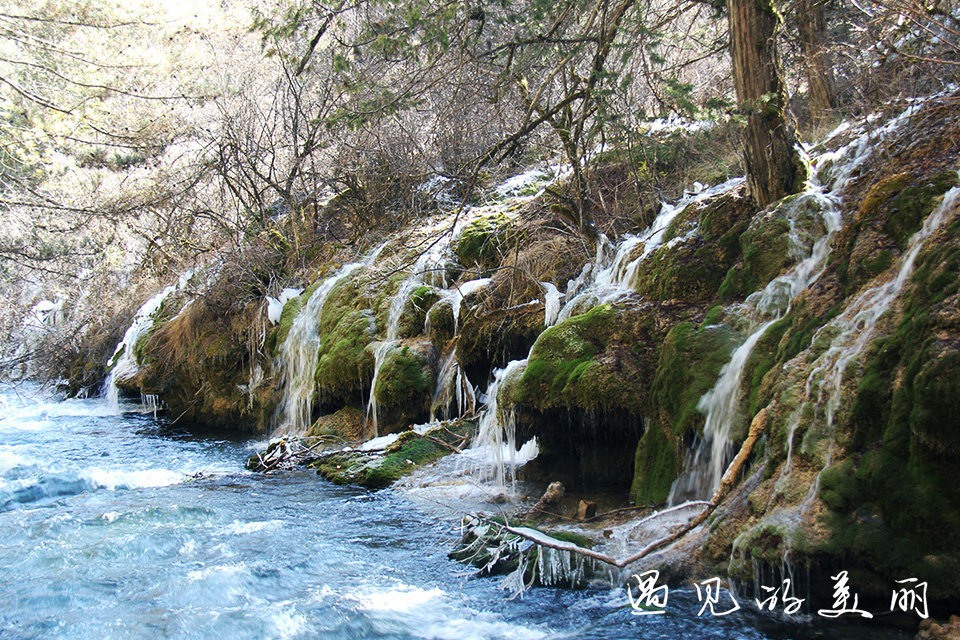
[(124, 526)]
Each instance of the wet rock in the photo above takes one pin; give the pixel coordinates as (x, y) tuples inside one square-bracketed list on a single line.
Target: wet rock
[(933, 630), (551, 498), (586, 510)]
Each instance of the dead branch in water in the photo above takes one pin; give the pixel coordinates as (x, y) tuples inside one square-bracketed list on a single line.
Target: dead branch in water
[(726, 484)]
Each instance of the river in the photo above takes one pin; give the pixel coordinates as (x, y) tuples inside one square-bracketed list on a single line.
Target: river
[(125, 526)]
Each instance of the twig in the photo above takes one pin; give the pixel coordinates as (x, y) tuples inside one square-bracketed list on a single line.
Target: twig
[(726, 484), (441, 442)]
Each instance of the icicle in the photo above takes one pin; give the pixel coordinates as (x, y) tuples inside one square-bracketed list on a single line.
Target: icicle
[(497, 431), (551, 303)]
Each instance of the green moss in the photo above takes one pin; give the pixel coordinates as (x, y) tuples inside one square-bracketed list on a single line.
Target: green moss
[(689, 363), (655, 467), (485, 240), (763, 543), (935, 415), (415, 311), (715, 315), (838, 488), (406, 377), (914, 203), (415, 452), (880, 193), (411, 451), (564, 370), (439, 322), (766, 250), (343, 360), (766, 245), (896, 506), (694, 270), (346, 327), (424, 297)]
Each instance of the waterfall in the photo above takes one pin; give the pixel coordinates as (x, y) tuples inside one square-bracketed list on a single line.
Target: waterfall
[(613, 275), (452, 386), (706, 465), (298, 353), (607, 279), (854, 329), (427, 269), (497, 432), (123, 365)]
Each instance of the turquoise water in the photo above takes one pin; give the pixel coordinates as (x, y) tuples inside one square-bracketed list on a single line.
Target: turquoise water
[(127, 527)]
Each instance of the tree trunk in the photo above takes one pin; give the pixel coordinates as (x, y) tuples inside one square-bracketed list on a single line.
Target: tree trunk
[(819, 72), (774, 169)]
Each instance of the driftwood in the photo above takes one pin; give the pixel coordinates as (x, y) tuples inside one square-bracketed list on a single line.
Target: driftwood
[(284, 455), (726, 484)]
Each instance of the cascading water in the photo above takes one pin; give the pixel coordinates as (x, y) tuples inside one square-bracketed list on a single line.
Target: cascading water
[(497, 430), (608, 279), (706, 464), (453, 386), (614, 272), (123, 363), (428, 269), (299, 351), (852, 331)]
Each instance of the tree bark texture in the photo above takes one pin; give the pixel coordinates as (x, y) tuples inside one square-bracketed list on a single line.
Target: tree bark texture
[(774, 169), (819, 72)]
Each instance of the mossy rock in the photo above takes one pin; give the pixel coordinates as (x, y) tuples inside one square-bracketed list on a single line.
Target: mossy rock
[(688, 365), (655, 467), (344, 364), (935, 416), (693, 270), (200, 363), (411, 451), (485, 240), (414, 315), (764, 543), (345, 424), (405, 383), (689, 361), (767, 246), (597, 360), (891, 211), (439, 324), (347, 326), (893, 507), (603, 359), (493, 339), (913, 203)]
